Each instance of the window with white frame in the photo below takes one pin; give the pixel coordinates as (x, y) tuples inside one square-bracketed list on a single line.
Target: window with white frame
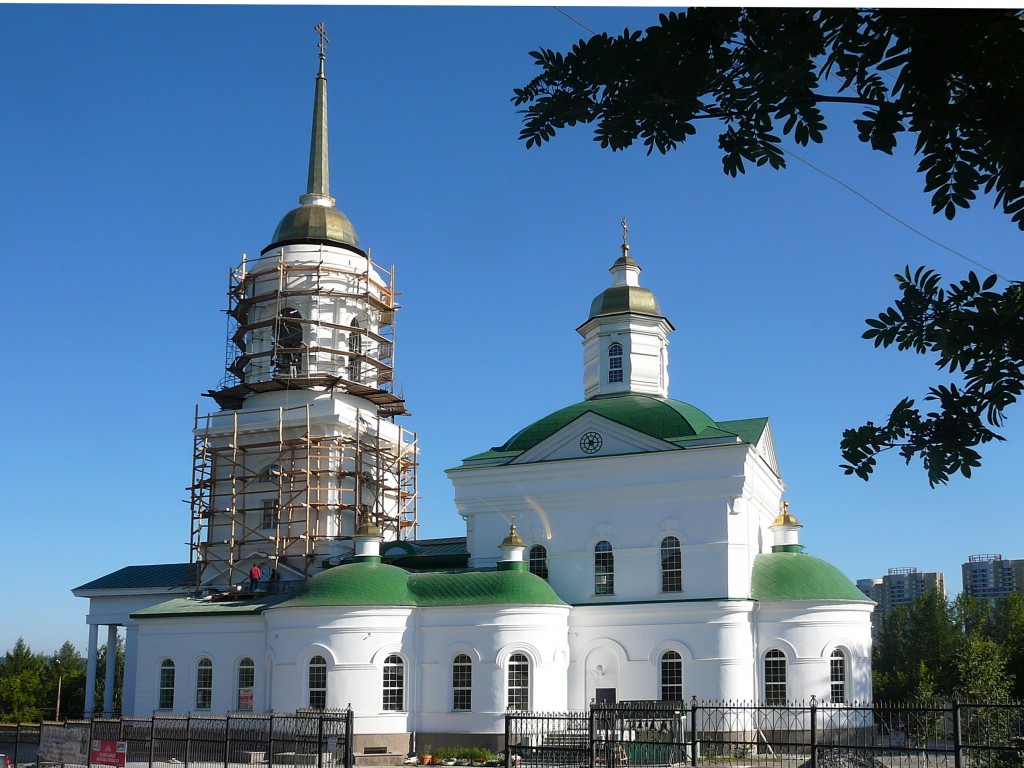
[(394, 683), (614, 363), (355, 346), (775, 677), (166, 698), (538, 560), (462, 683), (518, 682), (671, 565), (604, 569), (204, 684), (316, 682), (671, 676), (246, 685), (837, 677)]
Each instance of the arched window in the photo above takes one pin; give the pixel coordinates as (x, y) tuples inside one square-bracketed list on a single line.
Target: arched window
[(287, 358), (462, 683), (671, 676), (166, 685), (204, 684), (518, 682), (394, 683), (246, 685), (614, 363), (355, 346), (539, 560), (775, 677), (604, 569), (837, 676), (671, 565), (317, 682)]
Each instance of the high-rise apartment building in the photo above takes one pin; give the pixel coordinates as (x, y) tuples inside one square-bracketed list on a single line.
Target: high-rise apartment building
[(990, 576)]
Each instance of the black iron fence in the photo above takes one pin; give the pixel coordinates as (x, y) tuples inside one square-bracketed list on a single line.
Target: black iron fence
[(947, 734), (316, 739)]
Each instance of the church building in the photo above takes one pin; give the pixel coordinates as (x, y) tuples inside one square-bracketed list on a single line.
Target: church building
[(627, 546)]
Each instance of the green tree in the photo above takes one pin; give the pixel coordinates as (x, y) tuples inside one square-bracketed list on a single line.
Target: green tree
[(21, 684), (1008, 631), (953, 80), (914, 654)]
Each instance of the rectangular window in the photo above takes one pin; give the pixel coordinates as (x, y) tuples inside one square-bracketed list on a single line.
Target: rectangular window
[(837, 669), (166, 700), (204, 684), (394, 684), (246, 685), (518, 682), (317, 682), (462, 683), (774, 678)]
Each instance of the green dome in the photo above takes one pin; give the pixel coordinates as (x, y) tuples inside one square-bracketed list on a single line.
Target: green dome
[(482, 588), (377, 584), (354, 584), (620, 299), (795, 576), (656, 416), (314, 224)]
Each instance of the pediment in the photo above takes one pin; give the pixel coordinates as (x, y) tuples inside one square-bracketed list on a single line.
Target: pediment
[(590, 436)]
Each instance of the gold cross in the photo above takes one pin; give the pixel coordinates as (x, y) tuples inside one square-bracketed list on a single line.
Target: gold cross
[(323, 36), (625, 231)]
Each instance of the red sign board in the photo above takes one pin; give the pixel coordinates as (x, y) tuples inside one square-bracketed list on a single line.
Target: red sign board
[(108, 752)]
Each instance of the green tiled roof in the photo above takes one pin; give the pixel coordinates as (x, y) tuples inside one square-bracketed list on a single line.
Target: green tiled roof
[(796, 576), (380, 584), (191, 606), (355, 584), (167, 575), (482, 588), (671, 420), (659, 417)]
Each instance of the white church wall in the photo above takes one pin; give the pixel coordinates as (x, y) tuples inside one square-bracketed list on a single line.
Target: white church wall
[(807, 632), (223, 640), (620, 647)]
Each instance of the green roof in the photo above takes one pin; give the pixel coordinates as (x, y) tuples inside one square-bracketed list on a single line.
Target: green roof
[(796, 576), (386, 585), (355, 584), (192, 606), (671, 420), (482, 588), (166, 575)]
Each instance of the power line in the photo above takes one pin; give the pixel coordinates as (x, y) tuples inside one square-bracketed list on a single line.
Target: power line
[(573, 18), (893, 216)]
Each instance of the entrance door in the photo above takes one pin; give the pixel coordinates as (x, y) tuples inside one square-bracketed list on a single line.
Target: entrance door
[(604, 695)]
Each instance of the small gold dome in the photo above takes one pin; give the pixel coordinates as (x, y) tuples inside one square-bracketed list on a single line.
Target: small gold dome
[(786, 517), (513, 539), (367, 529)]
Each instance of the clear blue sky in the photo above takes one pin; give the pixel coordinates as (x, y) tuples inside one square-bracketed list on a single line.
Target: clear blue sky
[(146, 148)]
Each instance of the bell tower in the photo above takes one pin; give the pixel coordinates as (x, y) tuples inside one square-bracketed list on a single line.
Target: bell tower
[(625, 339), (305, 446)]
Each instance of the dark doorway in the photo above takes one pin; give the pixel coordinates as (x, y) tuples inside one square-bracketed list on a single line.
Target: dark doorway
[(604, 695)]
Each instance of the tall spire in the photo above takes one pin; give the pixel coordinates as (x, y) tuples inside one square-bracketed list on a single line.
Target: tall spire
[(318, 186)]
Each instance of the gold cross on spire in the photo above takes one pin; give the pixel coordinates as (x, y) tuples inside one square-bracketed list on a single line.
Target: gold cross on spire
[(625, 235), (323, 37), (785, 507)]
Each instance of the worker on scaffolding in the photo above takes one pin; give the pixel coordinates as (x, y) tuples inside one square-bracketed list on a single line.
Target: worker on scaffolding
[(255, 574)]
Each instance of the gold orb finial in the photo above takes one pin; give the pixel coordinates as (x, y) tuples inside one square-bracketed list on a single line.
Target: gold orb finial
[(786, 517)]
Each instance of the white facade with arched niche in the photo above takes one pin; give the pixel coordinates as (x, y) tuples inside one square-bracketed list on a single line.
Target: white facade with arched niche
[(627, 546)]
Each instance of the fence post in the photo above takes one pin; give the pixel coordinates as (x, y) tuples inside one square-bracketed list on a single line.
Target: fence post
[(592, 736), (693, 731), (188, 737), (227, 739), (957, 737), (350, 746), (508, 738), (320, 740), (814, 732), (152, 739), (270, 742), (17, 743)]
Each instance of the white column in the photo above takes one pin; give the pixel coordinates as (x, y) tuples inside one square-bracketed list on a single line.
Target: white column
[(108, 682), (131, 650), (90, 671)]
